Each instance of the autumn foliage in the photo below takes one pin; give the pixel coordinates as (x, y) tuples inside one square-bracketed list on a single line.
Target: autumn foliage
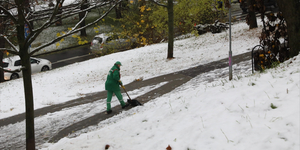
[(148, 22)]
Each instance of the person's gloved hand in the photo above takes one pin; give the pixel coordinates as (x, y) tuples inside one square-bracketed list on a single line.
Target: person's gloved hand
[(120, 82)]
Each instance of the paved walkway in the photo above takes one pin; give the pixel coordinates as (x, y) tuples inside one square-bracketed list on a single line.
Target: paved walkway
[(173, 80)]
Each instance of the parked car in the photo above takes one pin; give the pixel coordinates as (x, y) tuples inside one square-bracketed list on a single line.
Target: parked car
[(109, 42), (14, 63)]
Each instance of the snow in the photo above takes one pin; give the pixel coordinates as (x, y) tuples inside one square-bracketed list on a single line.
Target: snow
[(208, 112)]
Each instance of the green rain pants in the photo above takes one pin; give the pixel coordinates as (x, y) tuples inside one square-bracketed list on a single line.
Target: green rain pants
[(109, 96)]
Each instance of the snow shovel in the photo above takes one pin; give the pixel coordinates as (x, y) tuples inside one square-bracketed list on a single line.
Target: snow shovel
[(132, 102)]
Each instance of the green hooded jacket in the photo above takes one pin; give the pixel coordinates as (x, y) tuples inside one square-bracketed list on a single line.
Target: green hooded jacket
[(112, 81)]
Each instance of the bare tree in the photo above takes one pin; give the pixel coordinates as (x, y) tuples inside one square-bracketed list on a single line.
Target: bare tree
[(19, 17), (2, 40), (291, 12), (2, 45), (169, 7)]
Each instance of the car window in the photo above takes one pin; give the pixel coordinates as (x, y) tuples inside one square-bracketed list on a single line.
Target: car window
[(18, 63), (109, 39), (99, 39), (5, 65), (115, 37), (33, 61)]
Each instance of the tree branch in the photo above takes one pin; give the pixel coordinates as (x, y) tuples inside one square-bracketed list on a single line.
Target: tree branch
[(8, 14), (10, 51), (27, 22), (75, 9), (157, 3), (29, 28), (86, 13), (50, 22), (36, 32), (74, 30), (15, 49)]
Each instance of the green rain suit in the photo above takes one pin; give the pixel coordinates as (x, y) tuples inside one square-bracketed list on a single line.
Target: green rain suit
[(112, 86)]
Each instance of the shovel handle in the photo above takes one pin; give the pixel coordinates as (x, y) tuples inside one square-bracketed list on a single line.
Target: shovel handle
[(126, 92)]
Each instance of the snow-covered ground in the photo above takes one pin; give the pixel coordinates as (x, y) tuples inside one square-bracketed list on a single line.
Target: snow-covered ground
[(221, 114)]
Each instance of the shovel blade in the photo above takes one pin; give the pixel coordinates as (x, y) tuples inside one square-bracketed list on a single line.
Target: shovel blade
[(134, 102)]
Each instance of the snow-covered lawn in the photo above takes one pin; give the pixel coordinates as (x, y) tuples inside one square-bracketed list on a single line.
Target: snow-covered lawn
[(215, 115), (229, 115), (70, 82)]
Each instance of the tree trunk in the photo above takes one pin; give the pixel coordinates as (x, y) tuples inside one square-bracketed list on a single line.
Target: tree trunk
[(251, 15), (2, 41), (81, 15), (2, 45), (171, 29), (59, 21), (291, 12), (118, 9), (1, 62), (29, 106), (25, 59), (27, 81)]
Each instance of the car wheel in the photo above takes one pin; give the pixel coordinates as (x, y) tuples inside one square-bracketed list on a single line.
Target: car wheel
[(14, 76), (45, 68)]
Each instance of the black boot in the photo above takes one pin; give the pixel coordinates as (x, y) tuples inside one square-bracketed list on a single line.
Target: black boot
[(126, 105), (108, 112)]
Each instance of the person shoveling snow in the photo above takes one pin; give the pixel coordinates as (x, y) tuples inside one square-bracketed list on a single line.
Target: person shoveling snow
[(112, 86)]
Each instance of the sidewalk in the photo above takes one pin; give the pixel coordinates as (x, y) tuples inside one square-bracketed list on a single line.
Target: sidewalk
[(173, 80)]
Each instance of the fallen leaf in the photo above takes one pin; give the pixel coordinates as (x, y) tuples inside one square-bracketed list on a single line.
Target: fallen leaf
[(169, 148), (106, 146)]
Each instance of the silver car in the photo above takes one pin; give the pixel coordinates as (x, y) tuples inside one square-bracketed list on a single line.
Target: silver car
[(109, 42), (14, 63)]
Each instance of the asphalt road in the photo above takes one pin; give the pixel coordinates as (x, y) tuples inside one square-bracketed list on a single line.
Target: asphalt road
[(68, 56)]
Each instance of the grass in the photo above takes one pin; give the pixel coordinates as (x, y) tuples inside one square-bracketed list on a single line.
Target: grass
[(273, 106)]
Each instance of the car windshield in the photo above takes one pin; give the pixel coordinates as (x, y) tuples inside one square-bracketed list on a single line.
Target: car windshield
[(33, 61), (18, 63), (99, 39), (5, 65)]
